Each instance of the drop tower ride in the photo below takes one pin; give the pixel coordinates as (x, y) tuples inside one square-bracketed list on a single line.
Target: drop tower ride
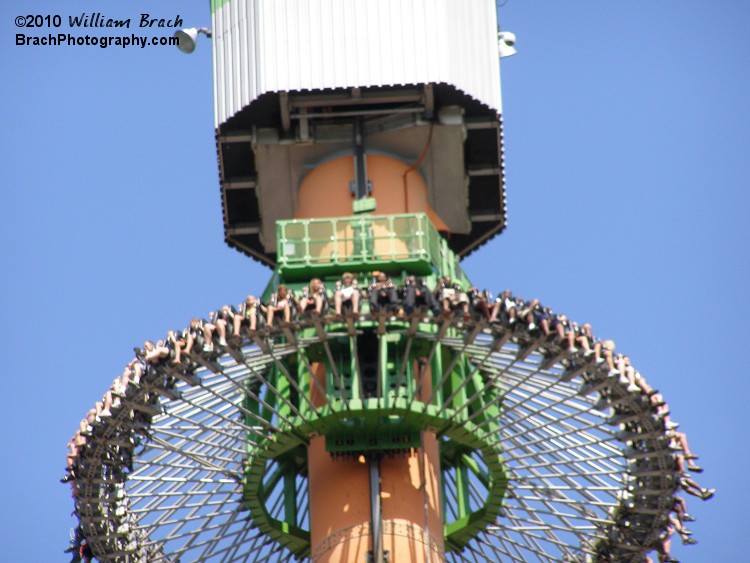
[(363, 137)]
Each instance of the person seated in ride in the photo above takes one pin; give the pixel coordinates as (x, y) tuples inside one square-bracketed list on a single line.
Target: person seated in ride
[(584, 338), (71, 468), (561, 326), (154, 353), (479, 302), (181, 343), (207, 329), (111, 399), (151, 355), (192, 334), (628, 375), (133, 370), (680, 528), (688, 484), (76, 447), (665, 544), (119, 386), (678, 441), (605, 352), (280, 305), (451, 297), (87, 423), (246, 316), (79, 547), (346, 295), (108, 402), (313, 298), (504, 309), (85, 426), (382, 294), (679, 507), (538, 317), (660, 409), (220, 320), (535, 317), (415, 293)]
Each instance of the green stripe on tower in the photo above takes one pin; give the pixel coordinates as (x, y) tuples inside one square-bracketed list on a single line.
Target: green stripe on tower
[(216, 4)]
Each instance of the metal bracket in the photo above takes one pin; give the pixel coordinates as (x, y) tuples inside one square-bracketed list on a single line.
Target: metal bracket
[(386, 557)]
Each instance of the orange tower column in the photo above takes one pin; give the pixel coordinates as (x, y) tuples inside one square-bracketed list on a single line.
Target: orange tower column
[(340, 508), (339, 488), (397, 188)]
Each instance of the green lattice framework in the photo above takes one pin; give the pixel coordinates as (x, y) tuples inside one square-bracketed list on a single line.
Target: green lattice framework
[(373, 380), (356, 419)]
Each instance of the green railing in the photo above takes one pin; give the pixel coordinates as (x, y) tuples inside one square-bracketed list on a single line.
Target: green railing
[(393, 243)]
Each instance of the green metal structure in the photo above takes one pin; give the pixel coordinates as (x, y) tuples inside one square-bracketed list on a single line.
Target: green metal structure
[(396, 244), (379, 395)]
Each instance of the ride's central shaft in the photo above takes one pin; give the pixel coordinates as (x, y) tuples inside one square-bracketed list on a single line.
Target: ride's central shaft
[(360, 506), (376, 517)]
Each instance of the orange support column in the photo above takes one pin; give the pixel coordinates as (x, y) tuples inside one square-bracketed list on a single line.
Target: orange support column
[(340, 505), (340, 512), (339, 488), (324, 192)]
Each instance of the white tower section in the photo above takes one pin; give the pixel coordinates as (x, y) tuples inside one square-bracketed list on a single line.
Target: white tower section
[(307, 45), (292, 78)]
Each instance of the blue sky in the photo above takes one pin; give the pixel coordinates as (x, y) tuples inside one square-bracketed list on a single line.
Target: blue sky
[(627, 136)]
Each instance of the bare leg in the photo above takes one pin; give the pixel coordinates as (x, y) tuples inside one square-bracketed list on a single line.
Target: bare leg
[(177, 353), (107, 404), (125, 378), (337, 303), (681, 439), (544, 323), (221, 328), (666, 546), (319, 304), (119, 386), (608, 358), (598, 352), (560, 330), (137, 372), (446, 307), (79, 440), (571, 336), (641, 382), (189, 341), (208, 334), (72, 457), (512, 315), (495, 311), (157, 354), (583, 342)]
